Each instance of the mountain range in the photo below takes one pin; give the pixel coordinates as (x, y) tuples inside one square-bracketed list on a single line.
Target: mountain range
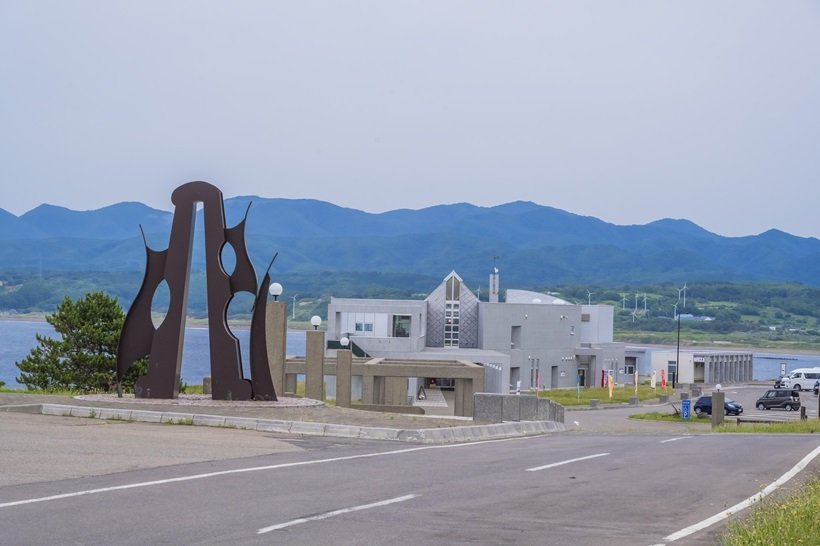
[(533, 245)]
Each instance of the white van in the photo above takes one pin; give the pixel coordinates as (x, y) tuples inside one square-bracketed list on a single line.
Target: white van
[(801, 379)]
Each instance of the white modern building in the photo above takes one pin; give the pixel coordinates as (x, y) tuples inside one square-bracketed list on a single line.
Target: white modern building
[(531, 338), (703, 366)]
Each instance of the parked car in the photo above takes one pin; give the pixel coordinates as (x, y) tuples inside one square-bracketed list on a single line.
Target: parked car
[(800, 379), (730, 407), (816, 386), (778, 384), (788, 399)]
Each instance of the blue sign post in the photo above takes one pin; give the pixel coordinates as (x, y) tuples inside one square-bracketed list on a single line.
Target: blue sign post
[(685, 408)]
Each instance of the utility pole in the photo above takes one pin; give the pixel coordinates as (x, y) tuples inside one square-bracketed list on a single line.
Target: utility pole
[(677, 358)]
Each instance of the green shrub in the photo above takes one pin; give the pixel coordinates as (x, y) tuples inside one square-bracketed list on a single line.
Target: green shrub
[(84, 358)]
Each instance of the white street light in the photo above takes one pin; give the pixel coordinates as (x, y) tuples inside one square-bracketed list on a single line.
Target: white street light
[(275, 290), (315, 321), (344, 342)]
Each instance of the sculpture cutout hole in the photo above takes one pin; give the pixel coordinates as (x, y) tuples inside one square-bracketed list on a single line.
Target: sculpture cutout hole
[(240, 310), (227, 257), (159, 304)]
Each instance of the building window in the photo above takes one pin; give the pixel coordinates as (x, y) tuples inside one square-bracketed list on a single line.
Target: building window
[(364, 326), (401, 325), (584, 317), (451, 323)]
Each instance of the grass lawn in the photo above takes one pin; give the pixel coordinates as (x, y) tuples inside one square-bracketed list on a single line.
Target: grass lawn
[(792, 520), (809, 426), (570, 397)]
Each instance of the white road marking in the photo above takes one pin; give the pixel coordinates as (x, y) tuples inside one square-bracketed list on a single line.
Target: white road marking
[(242, 470), (771, 488), (537, 468), (339, 512), (676, 439)]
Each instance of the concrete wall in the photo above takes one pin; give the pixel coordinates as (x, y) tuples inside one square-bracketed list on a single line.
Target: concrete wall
[(600, 326), (536, 336), (497, 408), (686, 369)]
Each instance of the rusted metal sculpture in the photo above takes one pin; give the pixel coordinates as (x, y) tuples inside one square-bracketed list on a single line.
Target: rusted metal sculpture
[(261, 378), (163, 345)]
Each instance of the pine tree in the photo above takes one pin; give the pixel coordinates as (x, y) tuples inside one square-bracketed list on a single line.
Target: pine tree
[(85, 358)]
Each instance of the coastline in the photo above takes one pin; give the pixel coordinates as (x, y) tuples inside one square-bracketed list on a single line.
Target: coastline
[(729, 347), (191, 322), (197, 322)]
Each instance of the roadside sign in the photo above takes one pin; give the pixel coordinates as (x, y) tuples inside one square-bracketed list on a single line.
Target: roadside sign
[(782, 369), (685, 408)]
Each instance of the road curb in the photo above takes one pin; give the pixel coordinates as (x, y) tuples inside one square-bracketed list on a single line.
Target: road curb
[(443, 435)]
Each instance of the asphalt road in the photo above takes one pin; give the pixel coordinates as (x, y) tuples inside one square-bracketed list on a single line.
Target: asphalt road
[(623, 488)]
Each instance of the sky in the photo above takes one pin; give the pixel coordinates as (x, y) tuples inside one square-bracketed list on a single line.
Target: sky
[(629, 111)]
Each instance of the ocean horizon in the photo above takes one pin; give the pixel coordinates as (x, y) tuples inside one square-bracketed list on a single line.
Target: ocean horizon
[(18, 338)]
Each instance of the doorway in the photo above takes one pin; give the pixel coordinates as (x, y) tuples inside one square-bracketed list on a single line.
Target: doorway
[(582, 377)]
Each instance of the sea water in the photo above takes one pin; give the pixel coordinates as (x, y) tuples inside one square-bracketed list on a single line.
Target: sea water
[(17, 338)]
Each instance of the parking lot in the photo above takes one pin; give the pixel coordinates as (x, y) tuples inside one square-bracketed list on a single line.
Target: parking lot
[(747, 395)]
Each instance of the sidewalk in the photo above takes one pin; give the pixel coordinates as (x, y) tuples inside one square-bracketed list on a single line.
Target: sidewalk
[(290, 416)]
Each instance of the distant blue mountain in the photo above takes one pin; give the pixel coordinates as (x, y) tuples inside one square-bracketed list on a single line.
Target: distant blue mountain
[(116, 222), (535, 245)]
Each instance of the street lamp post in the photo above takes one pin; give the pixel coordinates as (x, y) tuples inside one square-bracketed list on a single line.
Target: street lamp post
[(677, 358)]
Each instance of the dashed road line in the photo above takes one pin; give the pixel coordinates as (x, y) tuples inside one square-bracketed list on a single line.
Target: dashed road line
[(568, 461), (676, 439), (333, 513)]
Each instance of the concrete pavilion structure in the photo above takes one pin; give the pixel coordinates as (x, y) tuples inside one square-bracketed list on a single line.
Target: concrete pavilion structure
[(531, 338)]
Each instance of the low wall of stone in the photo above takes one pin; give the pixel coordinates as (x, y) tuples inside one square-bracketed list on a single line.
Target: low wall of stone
[(497, 408)]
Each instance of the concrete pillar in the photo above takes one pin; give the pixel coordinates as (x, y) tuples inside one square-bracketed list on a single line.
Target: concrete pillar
[(367, 389), (276, 322), (463, 401), (314, 364), (344, 377), (718, 400), (395, 391)]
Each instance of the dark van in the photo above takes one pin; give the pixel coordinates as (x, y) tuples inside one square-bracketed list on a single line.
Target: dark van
[(788, 399)]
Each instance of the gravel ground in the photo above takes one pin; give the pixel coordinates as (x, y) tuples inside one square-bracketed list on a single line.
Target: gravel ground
[(297, 409)]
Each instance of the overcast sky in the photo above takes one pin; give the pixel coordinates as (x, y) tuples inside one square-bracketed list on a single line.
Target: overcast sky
[(629, 111)]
